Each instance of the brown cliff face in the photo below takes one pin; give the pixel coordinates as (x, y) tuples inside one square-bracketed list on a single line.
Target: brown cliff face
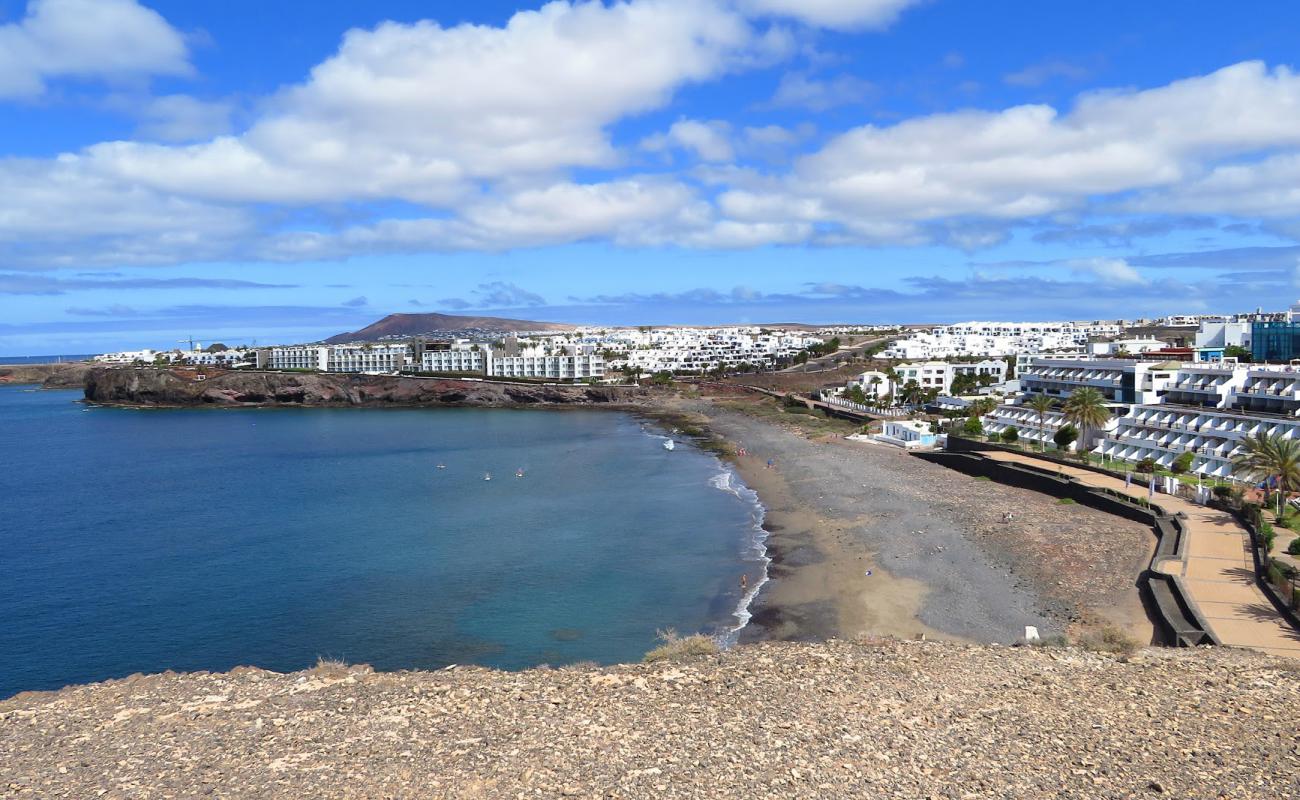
[(188, 387), (48, 376)]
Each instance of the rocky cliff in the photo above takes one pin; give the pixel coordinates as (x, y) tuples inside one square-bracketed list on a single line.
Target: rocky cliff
[(874, 719), (187, 387), (49, 376)]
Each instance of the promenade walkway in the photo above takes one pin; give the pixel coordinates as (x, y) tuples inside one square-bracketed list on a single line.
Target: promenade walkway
[(1218, 574)]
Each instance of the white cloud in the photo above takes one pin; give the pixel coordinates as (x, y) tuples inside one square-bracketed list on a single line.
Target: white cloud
[(1110, 271), (1029, 161), (1038, 74), (107, 39), (797, 90), (710, 141), (421, 112), (181, 118), (837, 14)]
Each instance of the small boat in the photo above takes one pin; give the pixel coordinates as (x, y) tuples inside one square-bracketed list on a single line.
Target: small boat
[(487, 476), (669, 444), (442, 466), (519, 473)]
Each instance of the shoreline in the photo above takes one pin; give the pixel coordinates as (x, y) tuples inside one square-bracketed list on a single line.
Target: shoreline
[(867, 541)]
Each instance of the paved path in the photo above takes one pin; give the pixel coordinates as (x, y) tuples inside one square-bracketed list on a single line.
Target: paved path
[(1218, 573)]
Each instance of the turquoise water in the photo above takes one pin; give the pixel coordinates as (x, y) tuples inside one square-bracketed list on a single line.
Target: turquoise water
[(137, 541)]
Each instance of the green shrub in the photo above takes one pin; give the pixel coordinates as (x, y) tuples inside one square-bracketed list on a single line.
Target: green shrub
[(1010, 436), (1066, 501), (1183, 463), (1294, 547), (1147, 465), (1273, 574), (676, 647), (1222, 492), (1065, 436), (1266, 536), (973, 427)]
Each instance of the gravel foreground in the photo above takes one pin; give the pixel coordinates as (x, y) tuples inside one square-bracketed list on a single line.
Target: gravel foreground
[(885, 718)]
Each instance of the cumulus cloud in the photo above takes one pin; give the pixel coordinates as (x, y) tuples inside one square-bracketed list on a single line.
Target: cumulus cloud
[(421, 112), (106, 39), (1030, 161), (836, 14), (709, 141), (356, 302)]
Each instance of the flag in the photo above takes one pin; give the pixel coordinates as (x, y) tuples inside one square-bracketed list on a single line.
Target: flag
[(1151, 488), (1128, 479)]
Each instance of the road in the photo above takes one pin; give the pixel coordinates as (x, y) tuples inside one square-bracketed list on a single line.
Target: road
[(832, 361)]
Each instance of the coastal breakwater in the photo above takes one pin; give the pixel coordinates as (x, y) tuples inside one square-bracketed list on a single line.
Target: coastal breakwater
[(182, 388)]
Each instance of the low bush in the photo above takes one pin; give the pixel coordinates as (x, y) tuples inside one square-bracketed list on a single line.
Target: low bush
[(675, 647), (1294, 547), (1066, 501), (1109, 639), (1266, 535)]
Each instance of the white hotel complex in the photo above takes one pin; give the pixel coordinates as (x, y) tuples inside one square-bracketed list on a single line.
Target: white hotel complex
[(996, 339), (1161, 410)]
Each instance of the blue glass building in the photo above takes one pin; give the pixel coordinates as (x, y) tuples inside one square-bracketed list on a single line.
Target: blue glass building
[(1274, 341)]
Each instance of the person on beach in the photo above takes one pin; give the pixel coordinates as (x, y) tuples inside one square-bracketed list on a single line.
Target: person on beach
[(744, 582), (771, 463)]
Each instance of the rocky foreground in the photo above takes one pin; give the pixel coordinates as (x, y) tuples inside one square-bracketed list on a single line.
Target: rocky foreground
[(873, 719)]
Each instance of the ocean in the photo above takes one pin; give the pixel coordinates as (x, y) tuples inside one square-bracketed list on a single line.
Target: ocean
[(11, 360), (144, 540)]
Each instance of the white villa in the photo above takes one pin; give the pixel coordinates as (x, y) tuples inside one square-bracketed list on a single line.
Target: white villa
[(906, 433)]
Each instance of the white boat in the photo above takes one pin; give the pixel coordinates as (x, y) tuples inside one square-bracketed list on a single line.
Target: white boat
[(519, 473), (487, 476), (669, 445), (442, 466)]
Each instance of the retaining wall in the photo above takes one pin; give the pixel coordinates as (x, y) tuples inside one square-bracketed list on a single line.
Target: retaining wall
[(1180, 622)]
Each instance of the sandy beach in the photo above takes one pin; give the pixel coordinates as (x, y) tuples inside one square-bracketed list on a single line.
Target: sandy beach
[(868, 540)]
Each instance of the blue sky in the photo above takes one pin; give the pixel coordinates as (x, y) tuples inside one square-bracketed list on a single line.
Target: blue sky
[(283, 171)]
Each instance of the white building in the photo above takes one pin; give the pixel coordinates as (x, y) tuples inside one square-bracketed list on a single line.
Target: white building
[(906, 433), (939, 375), (550, 367), (1133, 347), (1121, 383), (989, 339), (454, 360)]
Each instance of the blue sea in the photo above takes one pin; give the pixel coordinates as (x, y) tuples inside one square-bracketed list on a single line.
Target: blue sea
[(42, 359), (145, 540)]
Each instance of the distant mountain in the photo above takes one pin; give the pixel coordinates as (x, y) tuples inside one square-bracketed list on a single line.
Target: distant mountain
[(418, 324)]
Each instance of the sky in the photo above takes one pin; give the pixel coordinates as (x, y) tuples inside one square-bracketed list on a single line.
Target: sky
[(278, 172)]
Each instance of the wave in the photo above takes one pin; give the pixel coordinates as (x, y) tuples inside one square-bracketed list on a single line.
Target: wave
[(727, 481)]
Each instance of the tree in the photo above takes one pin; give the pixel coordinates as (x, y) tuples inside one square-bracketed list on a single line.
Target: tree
[(1040, 404), (856, 395), (1238, 352), (912, 393), (973, 427), (1147, 465), (1010, 436), (1065, 436), (1272, 459), (1086, 408), (1183, 463), (983, 406)]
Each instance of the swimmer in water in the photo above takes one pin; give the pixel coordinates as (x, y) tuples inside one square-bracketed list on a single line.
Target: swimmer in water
[(744, 582)]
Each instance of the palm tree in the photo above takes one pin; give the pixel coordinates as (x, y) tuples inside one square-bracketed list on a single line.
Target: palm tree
[(1086, 408), (1265, 457), (1040, 404)]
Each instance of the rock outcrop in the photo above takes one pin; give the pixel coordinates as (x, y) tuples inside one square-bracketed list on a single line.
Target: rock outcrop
[(147, 386), (49, 376), (902, 719)]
